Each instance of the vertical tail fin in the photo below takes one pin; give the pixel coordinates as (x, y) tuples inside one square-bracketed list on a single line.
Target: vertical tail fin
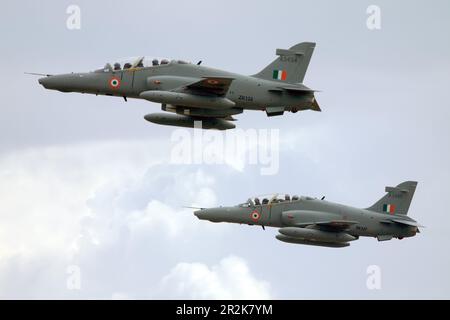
[(397, 199), (291, 65)]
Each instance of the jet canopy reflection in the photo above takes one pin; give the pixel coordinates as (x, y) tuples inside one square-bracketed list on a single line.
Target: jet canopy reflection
[(138, 62)]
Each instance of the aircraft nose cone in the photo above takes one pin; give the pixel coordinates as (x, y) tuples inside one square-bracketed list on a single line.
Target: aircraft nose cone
[(64, 82), (43, 81), (210, 214), (49, 82), (198, 213)]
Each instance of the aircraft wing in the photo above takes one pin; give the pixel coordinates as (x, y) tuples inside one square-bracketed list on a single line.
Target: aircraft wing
[(331, 225), (217, 86)]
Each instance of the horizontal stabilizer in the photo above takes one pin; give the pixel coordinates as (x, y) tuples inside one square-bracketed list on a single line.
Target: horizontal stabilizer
[(299, 88), (408, 223)]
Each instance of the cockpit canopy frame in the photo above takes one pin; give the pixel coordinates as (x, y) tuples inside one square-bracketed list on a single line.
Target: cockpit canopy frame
[(138, 62), (272, 199)]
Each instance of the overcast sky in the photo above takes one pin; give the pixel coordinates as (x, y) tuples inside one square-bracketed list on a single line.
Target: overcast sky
[(88, 188)]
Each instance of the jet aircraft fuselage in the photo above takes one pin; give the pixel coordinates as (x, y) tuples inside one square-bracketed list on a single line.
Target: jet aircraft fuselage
[(307, 220), (193, 92)]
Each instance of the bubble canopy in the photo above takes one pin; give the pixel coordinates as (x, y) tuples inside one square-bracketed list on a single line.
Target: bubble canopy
[(271, 199), (138, 62)]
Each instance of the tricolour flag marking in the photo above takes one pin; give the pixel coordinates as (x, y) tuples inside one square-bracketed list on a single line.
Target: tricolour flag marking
[(389, 208), (279, 74)]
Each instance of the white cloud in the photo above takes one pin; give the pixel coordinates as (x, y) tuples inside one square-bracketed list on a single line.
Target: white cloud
[(230, 279), (44, 191), (106, 207), (160, 216)]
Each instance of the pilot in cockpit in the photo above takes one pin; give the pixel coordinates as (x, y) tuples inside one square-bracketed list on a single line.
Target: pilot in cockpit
[(155, 62), (116, 66)]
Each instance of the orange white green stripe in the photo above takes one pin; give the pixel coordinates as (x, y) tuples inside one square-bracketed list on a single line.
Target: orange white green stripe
[(389, 208), (279, 74)]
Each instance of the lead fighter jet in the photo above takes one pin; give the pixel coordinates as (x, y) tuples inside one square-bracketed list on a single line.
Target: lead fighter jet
[(192, 92), (310, 221)]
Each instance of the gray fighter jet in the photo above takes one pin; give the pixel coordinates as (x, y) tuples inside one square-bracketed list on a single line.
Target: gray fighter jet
[(192, 92), (306, 220)]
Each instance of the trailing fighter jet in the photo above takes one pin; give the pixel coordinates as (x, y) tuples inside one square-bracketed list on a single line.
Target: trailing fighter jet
[(310, 221), (192, 92)]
